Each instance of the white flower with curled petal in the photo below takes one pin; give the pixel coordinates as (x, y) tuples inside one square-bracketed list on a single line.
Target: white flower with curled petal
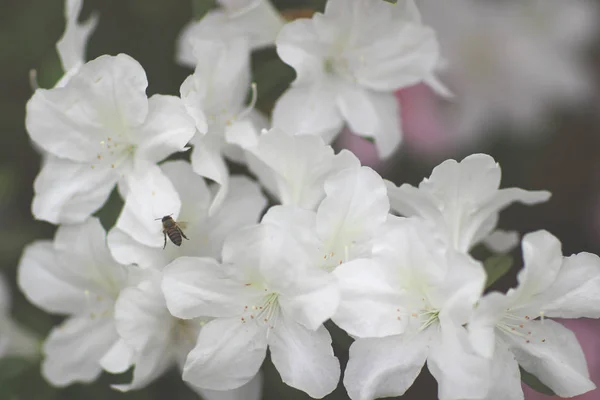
[(15, 340), (293, 169), (206, 233), (461, 200), (159, 340), (348, 63), (346, 222), (513, 330), (72, 44), (265, 294), (255, 20), (100, 129), (214, 96), (76, 276), (407, 305)]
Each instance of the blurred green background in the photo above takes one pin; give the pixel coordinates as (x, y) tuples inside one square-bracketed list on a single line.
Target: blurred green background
[(566, 161)]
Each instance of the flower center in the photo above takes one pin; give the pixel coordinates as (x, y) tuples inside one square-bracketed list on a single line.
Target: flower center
[(266, 312), (113, 153), (521, 326)]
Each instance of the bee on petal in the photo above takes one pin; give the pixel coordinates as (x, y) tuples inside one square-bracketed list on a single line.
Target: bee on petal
[(173, 230)]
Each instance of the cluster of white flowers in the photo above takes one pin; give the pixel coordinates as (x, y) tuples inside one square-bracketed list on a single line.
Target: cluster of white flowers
[(332, 247)]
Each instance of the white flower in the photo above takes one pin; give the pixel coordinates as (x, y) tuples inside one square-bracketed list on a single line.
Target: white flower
[(344, 225), (509, 62), (14, 339), (266, 294), (205, 232), (293, 169), (513, 330), (408, 305), (214, 96), (101, 129), (255, 20), (348, 63), (461, 200), (72, 44), (158, 340), (75, 276)]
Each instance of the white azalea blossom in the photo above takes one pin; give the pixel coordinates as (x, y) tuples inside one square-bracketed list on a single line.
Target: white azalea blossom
[(158, 340), (15, 340), (510, 62), (75, 276), (214, 97), (205, 232), (344, 225), (254, 20), (513, 329), (265, 294), (100, 129), (72, 44), (293, 169), (407, 305), (348, 63), (461, 200)]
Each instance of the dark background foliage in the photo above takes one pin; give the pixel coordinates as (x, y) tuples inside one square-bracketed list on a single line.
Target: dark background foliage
[(563, 159)]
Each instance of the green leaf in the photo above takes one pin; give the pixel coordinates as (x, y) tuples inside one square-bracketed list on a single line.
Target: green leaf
[(391, 1), (369, 139), (533, 382), (496, 267), (12, 367)]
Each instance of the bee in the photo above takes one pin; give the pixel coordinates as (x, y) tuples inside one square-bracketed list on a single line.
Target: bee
[(173, 230)]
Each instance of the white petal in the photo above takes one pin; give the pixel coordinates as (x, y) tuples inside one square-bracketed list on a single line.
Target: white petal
[(372, 114), (167, 129), (304, 358), (196, 287), (250, 391), (301, 164), (312, 300), (208, 161), (150, 196), (74, 349), (460, 373), (385, 367), (228, 355), (489, 311), (127, 250), (69, 192), (308, 110), (118, 359), (299, 46), (369, 300), (355, 206), (142, 318), (242, 207), (505, 378), (149, 365), (192, 190), (40, 278), (72, 44), (260, 23), (553, 354), (576, 291), (542, 259), (300, 223), (105, 99), (501, 241), (257, 252), (406, 54)]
